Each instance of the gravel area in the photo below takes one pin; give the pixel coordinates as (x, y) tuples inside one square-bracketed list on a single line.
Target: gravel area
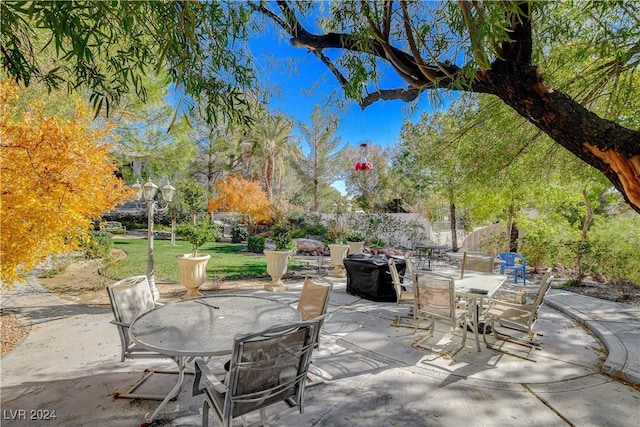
[(12, 332)]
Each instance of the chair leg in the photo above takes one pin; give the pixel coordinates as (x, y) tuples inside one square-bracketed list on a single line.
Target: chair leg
[(205, 413), (148, 373)]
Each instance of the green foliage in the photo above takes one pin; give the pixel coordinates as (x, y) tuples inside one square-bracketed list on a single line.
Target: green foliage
[(239, 234), (256, 244), (354, 236), (613, 249), (198, 234), (494, 243), (192, 197), (548, 240), (51, 42), (335, 235), (376, 243), (97, 245), (281, 236)]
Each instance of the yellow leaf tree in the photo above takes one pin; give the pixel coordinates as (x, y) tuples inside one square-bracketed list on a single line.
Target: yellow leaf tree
[(55, 177), (236, 194)]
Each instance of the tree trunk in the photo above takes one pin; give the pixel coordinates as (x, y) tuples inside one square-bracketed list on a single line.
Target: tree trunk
[(454, 228), (583, 238), (513, 237)]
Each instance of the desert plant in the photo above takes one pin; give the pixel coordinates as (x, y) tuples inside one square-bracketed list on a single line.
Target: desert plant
[(255, 244), (198, 234)]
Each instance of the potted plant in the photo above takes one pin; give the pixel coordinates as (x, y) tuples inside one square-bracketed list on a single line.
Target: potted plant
[(277, 259), (355, 241), (193, 266), (336, 237)]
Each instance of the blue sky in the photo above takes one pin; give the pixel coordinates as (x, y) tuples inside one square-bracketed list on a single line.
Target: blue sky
[(379, 123)]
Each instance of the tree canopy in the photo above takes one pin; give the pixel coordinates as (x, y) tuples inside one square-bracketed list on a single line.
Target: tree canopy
[(56, 176), (507, 49)]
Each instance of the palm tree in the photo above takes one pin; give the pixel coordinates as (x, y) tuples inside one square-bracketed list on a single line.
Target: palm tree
[(272, 144)]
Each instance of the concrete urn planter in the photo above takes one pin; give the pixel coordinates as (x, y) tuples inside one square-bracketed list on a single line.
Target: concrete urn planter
[(276, 267), (355, 247), (338, 253), (193, 272)]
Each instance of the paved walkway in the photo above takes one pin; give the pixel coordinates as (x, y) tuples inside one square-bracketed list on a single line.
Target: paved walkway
[(366, 373)]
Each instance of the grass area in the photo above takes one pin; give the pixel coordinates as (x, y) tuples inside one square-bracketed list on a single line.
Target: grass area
[(228, 261)]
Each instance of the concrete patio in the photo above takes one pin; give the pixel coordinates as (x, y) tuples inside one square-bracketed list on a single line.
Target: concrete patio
[(365, 373)]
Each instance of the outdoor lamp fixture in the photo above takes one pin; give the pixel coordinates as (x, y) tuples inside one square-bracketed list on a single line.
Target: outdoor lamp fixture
[(147, 192), (363, 164)]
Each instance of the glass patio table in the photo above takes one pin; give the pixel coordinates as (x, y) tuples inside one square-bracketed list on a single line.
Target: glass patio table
[(204, 327)]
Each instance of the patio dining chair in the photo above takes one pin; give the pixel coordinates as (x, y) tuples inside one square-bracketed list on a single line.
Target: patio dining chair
[(314, 301), (476, 262), (404, 297), (436, 301), (266, 368), (515, 316), (130, 298), (516, 262)]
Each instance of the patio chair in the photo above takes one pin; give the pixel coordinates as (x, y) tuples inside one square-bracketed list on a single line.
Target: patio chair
[(402, 295), (314, 301), (476, 262), (266, 368), (130, 298), (519, 317), (436, 301), (516, 262), (523, 294)]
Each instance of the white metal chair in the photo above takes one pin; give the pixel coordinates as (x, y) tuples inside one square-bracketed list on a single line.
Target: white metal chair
[(436, 301), (266, 367), (130, 298), (516, 316)]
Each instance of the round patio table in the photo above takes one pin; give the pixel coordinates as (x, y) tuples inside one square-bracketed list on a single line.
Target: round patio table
[(204, 327)]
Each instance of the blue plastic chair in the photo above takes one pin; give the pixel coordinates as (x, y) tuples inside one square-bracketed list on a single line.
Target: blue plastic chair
[(509, 263)]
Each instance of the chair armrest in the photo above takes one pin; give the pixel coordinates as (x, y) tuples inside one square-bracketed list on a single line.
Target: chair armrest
[(204, 374), (508, 304), (516, 296)]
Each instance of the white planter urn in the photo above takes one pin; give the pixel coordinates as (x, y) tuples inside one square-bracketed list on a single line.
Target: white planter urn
[(276, 267), (338, 253), (193, 272), (355, 247)]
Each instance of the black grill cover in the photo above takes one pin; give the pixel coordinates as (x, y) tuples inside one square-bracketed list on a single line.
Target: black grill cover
[(368, 277)]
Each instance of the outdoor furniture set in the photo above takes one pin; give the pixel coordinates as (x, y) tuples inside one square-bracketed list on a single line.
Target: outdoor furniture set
[(471, 297), (270, 343)]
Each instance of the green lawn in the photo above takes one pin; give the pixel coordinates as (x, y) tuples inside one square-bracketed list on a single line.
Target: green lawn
[(227, 262)]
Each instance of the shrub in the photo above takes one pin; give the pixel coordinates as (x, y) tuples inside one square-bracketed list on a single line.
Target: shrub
[(354, 237), (239, 234), (613, 249), (97, 245), (281, 235), (198, 234), (376, 243), (255, 244)]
